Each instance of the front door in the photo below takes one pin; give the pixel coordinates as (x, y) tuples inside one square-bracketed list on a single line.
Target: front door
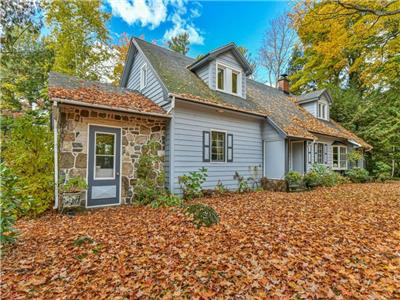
[(104, 166), (298, 157)]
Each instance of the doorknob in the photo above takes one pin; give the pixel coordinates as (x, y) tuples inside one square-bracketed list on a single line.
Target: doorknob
[(117, 173)]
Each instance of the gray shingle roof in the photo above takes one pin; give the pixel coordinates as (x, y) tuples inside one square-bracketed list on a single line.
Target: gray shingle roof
[(282, 109)]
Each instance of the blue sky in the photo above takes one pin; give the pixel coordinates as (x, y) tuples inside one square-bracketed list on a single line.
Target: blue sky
[(210, 24)]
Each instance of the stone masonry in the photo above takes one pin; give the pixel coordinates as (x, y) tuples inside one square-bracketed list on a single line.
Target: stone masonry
[(136, 131)]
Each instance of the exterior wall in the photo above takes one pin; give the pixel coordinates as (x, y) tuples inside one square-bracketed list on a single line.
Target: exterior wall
[(311, 107), (189, 123), (136, 132), (274, 149), (154, 89), (204, 73)]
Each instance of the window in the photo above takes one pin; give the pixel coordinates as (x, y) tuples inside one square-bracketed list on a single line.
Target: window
[(339, 157), (235, 82), (319, 153), (322, 112), (143, 76), (104, 155), (221, 78), (217, 146)]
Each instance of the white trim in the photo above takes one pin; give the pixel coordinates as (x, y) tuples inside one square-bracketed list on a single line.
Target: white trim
[(87, 166), (291, 155), (339, 168), (225, 146), (55, 133), (239, 79), (114, 155), (143, 79)]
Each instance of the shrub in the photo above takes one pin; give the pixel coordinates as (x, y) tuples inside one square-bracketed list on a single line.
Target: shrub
[(27, 149), (166, 201), (150, 181), (358, 175), (73, 185), (381, 171), (243, 186), (12, 204), (203, 215), (312, 179), (191, 184), (321, 175), (293, 178), (220, 188)]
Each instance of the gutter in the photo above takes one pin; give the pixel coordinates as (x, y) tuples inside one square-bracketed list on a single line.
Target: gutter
[(100, 106), (172, 103), (55, 134)]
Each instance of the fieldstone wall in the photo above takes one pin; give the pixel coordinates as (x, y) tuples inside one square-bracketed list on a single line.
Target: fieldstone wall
[(136, 131)]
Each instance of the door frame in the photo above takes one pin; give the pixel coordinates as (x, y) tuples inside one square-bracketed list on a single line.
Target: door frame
[(291, 156), (87, 165)]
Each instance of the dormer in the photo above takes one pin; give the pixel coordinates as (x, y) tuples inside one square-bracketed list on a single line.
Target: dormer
[(224, 70), (317, 103)]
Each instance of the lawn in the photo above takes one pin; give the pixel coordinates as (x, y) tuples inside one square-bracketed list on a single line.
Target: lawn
[(334, 242)]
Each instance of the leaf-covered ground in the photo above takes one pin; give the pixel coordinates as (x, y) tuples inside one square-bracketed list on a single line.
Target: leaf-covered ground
[(341, 242)]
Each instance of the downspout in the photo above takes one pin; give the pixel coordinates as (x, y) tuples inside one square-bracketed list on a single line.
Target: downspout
[(172, 104), (55, 134), (171, 146)]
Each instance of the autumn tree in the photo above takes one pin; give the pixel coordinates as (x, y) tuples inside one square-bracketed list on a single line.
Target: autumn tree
[(122, 51), (79, 37), (180, 43), (276, 47)]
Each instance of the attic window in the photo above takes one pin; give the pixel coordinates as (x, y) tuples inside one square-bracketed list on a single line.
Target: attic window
[(322, 112), (221, 78), (228, 80), (235, 82), (143, 76)]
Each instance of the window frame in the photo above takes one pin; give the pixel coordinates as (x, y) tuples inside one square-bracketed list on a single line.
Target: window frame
[(325, 155), (211, 146), (144, 73), (223, 78), (322, 112), (339, 159), (228, 79), (95, 155)]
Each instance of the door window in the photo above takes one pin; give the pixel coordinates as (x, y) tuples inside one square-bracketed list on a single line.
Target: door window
[(104, 156)]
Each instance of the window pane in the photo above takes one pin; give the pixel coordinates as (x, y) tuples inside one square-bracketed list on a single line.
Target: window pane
[(335, 157), (234, 82), (221, 75), (104, 166), (104, 143), (320, 156), (218, 146)]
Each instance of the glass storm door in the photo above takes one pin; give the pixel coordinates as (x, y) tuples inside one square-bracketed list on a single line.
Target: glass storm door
[(104, 166)]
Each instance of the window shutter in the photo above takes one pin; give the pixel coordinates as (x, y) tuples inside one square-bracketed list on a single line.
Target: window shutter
[(315, 152), (326, 153), (206, 146), (309, 150), (230, 148)]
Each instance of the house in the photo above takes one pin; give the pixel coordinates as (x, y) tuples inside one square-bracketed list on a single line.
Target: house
[(204, 112)]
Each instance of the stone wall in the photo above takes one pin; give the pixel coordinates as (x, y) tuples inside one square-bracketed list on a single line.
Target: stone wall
[(136, 131)]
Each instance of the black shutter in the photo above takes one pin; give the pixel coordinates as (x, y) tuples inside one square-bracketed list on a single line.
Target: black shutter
[(309, 149), (206, 146), (315, 152), (326, 153), (230, 148)]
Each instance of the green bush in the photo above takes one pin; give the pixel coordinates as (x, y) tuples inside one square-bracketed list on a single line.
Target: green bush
[(381, 171), (73, 185), (27, 149), (166, 201), (13, 203), (191, 184), (203, 215), (150, 182), (312, 179), (293, 178), (321, 175), (243, 185), (358, 175), (220, 188)]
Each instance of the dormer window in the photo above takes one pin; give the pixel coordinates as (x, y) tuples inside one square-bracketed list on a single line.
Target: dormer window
[(228, 80), (322, 112)]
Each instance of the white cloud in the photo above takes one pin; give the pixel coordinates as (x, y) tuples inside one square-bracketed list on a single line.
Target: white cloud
[(148, 13), (154, 12)]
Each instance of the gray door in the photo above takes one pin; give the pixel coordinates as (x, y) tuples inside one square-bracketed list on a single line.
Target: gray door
[(298, 157), (104, 166)]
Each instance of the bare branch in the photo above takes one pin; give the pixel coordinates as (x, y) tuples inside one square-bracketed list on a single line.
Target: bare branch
[(364, 9)]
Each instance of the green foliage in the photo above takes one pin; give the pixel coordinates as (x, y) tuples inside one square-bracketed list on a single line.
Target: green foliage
[(191, 184), (243, 185), (358, 175), (83, 240), (12, 204), (28, 151), (354, 156), (150, 181), (78, 36), (73, 185), (203, 215), (220, 188), (381, 171), (180, 43), (166, 200), (321, 175), (293, 178)]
